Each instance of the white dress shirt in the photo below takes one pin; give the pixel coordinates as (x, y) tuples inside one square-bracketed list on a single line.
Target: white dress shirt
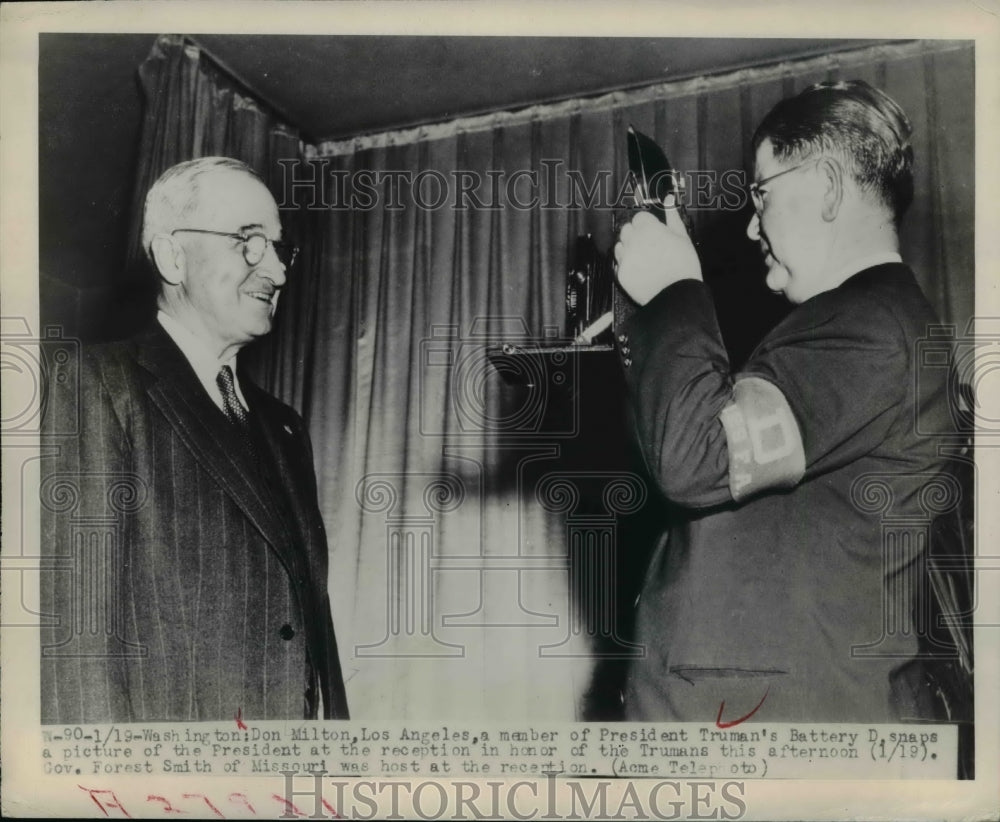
[(205, 364)]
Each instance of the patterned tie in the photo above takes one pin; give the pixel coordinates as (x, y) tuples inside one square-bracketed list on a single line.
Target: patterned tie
[(230, 402), (235, 411), (255, 445)]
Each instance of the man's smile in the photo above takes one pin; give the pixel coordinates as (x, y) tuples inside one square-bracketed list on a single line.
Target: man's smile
[(264, 296)]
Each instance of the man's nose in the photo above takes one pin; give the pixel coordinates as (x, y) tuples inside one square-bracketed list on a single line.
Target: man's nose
[(272, 267), (753, 227)]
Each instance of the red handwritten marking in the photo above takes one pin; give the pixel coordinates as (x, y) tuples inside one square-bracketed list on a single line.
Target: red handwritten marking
[(114, 803), (331, 809), (720, 724), (215, 810), (243, 797), (239, 719), (289, 806), (236, 798), (167, 807)]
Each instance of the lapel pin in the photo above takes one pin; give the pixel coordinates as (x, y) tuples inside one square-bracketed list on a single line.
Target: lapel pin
[(288, 429)]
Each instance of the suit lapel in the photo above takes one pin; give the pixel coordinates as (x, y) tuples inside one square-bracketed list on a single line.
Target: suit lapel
[(207, 434), (289, 483), (276, 438)]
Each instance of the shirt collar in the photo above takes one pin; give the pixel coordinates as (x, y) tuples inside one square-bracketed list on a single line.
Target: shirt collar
[(206, 365)]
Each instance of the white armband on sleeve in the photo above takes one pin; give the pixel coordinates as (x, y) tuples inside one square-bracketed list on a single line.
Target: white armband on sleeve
[(765, 445)]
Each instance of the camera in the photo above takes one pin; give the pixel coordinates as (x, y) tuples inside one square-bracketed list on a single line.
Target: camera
[(498, 380)]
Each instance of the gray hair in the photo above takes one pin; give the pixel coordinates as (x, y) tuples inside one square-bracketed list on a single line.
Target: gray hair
[(175, 195)]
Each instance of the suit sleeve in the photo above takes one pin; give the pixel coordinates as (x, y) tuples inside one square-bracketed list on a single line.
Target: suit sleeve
[(84, 475), (821, 391)]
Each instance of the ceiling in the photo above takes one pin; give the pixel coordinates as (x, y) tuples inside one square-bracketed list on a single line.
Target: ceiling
[(333, 87)]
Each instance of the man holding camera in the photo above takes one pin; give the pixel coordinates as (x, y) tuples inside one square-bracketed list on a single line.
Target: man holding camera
[(775, 596)]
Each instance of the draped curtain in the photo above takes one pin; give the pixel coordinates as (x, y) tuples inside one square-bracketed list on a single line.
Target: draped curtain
[(193, 109), (468, 557)]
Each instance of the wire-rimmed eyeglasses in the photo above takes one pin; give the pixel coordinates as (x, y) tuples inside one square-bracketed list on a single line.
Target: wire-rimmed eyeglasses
[(254, 245), (757, 195)]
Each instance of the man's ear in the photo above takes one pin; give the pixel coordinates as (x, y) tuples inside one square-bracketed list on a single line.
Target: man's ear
[(169, 257), (833, 195)]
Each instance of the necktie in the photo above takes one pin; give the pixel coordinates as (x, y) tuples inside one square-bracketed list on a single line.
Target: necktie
[(235, 411), (230, 402), (257, 448)]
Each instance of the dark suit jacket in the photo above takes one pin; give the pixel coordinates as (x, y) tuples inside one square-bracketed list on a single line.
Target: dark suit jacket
[(807, 593), (184, 581)]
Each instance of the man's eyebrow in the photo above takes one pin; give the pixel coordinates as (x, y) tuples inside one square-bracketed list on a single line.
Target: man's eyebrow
[(258, 227)]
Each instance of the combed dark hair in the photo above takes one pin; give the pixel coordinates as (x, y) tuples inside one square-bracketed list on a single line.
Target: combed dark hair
[(862, 126)]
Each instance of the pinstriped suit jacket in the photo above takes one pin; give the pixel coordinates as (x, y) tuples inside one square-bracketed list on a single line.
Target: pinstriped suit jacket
[(182, 581)]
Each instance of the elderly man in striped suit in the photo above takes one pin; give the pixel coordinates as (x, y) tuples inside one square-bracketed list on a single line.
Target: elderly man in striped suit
[(205, 598)]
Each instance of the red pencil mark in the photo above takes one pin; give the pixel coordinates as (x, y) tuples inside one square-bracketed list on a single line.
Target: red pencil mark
[(289, 807), (239, 719), (113, 803), (215, 810), (243, 799), (167, 807), (720, 724)]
